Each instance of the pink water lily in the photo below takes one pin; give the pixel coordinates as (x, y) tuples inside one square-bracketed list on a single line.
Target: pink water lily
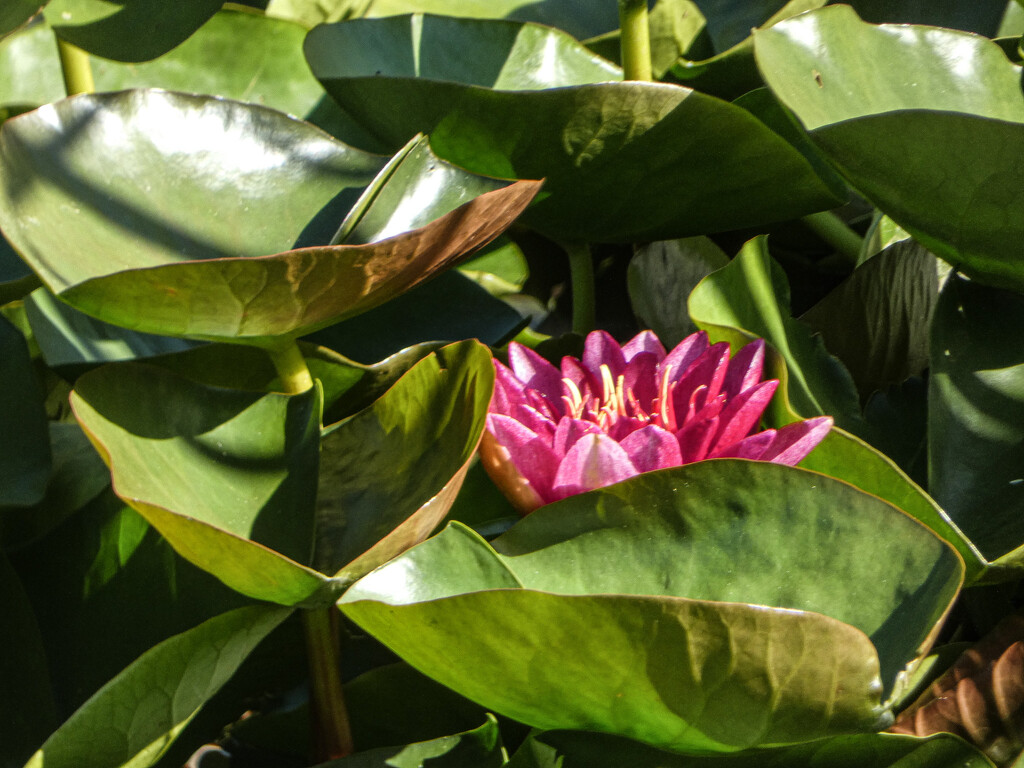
[(623, 410)]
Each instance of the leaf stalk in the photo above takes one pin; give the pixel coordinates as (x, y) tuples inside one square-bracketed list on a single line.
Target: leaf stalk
[(635, 39), (291, 367), (332, 735), (834, 231), (74, 63), (581, 270)]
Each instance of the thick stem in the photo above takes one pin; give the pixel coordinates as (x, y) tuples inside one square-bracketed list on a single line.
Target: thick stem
[(635, 40), (834, 231), (581, 269), (74, 63), (331, 731), (291, 367)]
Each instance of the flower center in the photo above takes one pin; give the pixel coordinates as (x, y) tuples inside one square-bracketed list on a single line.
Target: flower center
[(618, 402)]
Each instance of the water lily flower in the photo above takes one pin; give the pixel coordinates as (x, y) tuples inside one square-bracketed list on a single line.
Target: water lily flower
[(623, 410)]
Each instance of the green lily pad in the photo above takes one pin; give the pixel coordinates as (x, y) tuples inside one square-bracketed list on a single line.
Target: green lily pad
[(654, 581), (14, 13), (622, 160), (128, 30), (136, 716), (228, 477), (390, 473), (206, 186), (567, 749), (25, 450), (975, 430), (932, 132)]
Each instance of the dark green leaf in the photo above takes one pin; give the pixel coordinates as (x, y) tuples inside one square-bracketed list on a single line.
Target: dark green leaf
[(228, 477), (135, 717), (932, 133), (563, 749), (390, 473), (981, 16), (622, 161), (14, 13), (129, 30), (25, 449), (27, 711), (976, 430), (610, 582)]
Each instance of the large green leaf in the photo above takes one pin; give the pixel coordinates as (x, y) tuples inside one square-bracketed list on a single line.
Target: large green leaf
[(623, 161), (975, 429), (128, 30), (205, 186), (228, 477), (566, 749), (390, 472), (27, 709), (653, 581), (25, 448), (14, 13), (751, 296), (135, 717), (932, 131), (981, 16)]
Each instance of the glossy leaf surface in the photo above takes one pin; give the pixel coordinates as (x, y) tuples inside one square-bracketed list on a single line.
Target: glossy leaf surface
[(564, 749), (187, 266), (227, 476), (529, 102), (135, 717), (976, 432), (390, 472), (129, 30), (602, 570), (934, 138), (25, 449)]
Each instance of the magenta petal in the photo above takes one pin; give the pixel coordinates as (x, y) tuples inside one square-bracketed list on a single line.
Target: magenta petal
[(594, 462), (601, 349), (745, 368), (652, 448), (569, 431), (641, 378), (535, 372), (709, 371), (748, 448), (531, 456), (695, 439), (580, 376), (645, 341), (683, 355), (508, 390), (742, 412), (535, 421), (794, 441)]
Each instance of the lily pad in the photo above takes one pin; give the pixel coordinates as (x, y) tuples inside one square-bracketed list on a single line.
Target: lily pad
[(390, 472), (622, 160), (227, 477), (655, 581), (932, 132), (204, 188), (128, 30), (14, 13)]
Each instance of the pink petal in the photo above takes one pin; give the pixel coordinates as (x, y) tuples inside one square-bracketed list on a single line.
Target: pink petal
[(748, 448), (535, 372), (683, 355), (709, 371), (594, 462), (528, 453), (641, 377), (794, 441), (580, 376), (742, 413), (569, 431), (508, 390), (695, 439), (652, 448), (745, 368), (601, 349), (536, 421), (645, 341)]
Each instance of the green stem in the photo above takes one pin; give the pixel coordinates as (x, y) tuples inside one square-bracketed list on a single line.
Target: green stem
[(834, 231), (332, 734), (291, 367), (581, 269), (635, 40), (74, 62)]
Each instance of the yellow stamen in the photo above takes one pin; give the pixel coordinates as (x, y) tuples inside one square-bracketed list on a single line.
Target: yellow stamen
[(608, 384), (574, 400)]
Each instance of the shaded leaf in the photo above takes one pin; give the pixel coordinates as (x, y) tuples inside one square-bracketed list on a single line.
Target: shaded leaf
[(25, 449), (975, 429), (14, 13), (390, 472), (228, 477), (135, 717), (982, 16), (615, 165), (933, 137), (129, 30), (608, 581)]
